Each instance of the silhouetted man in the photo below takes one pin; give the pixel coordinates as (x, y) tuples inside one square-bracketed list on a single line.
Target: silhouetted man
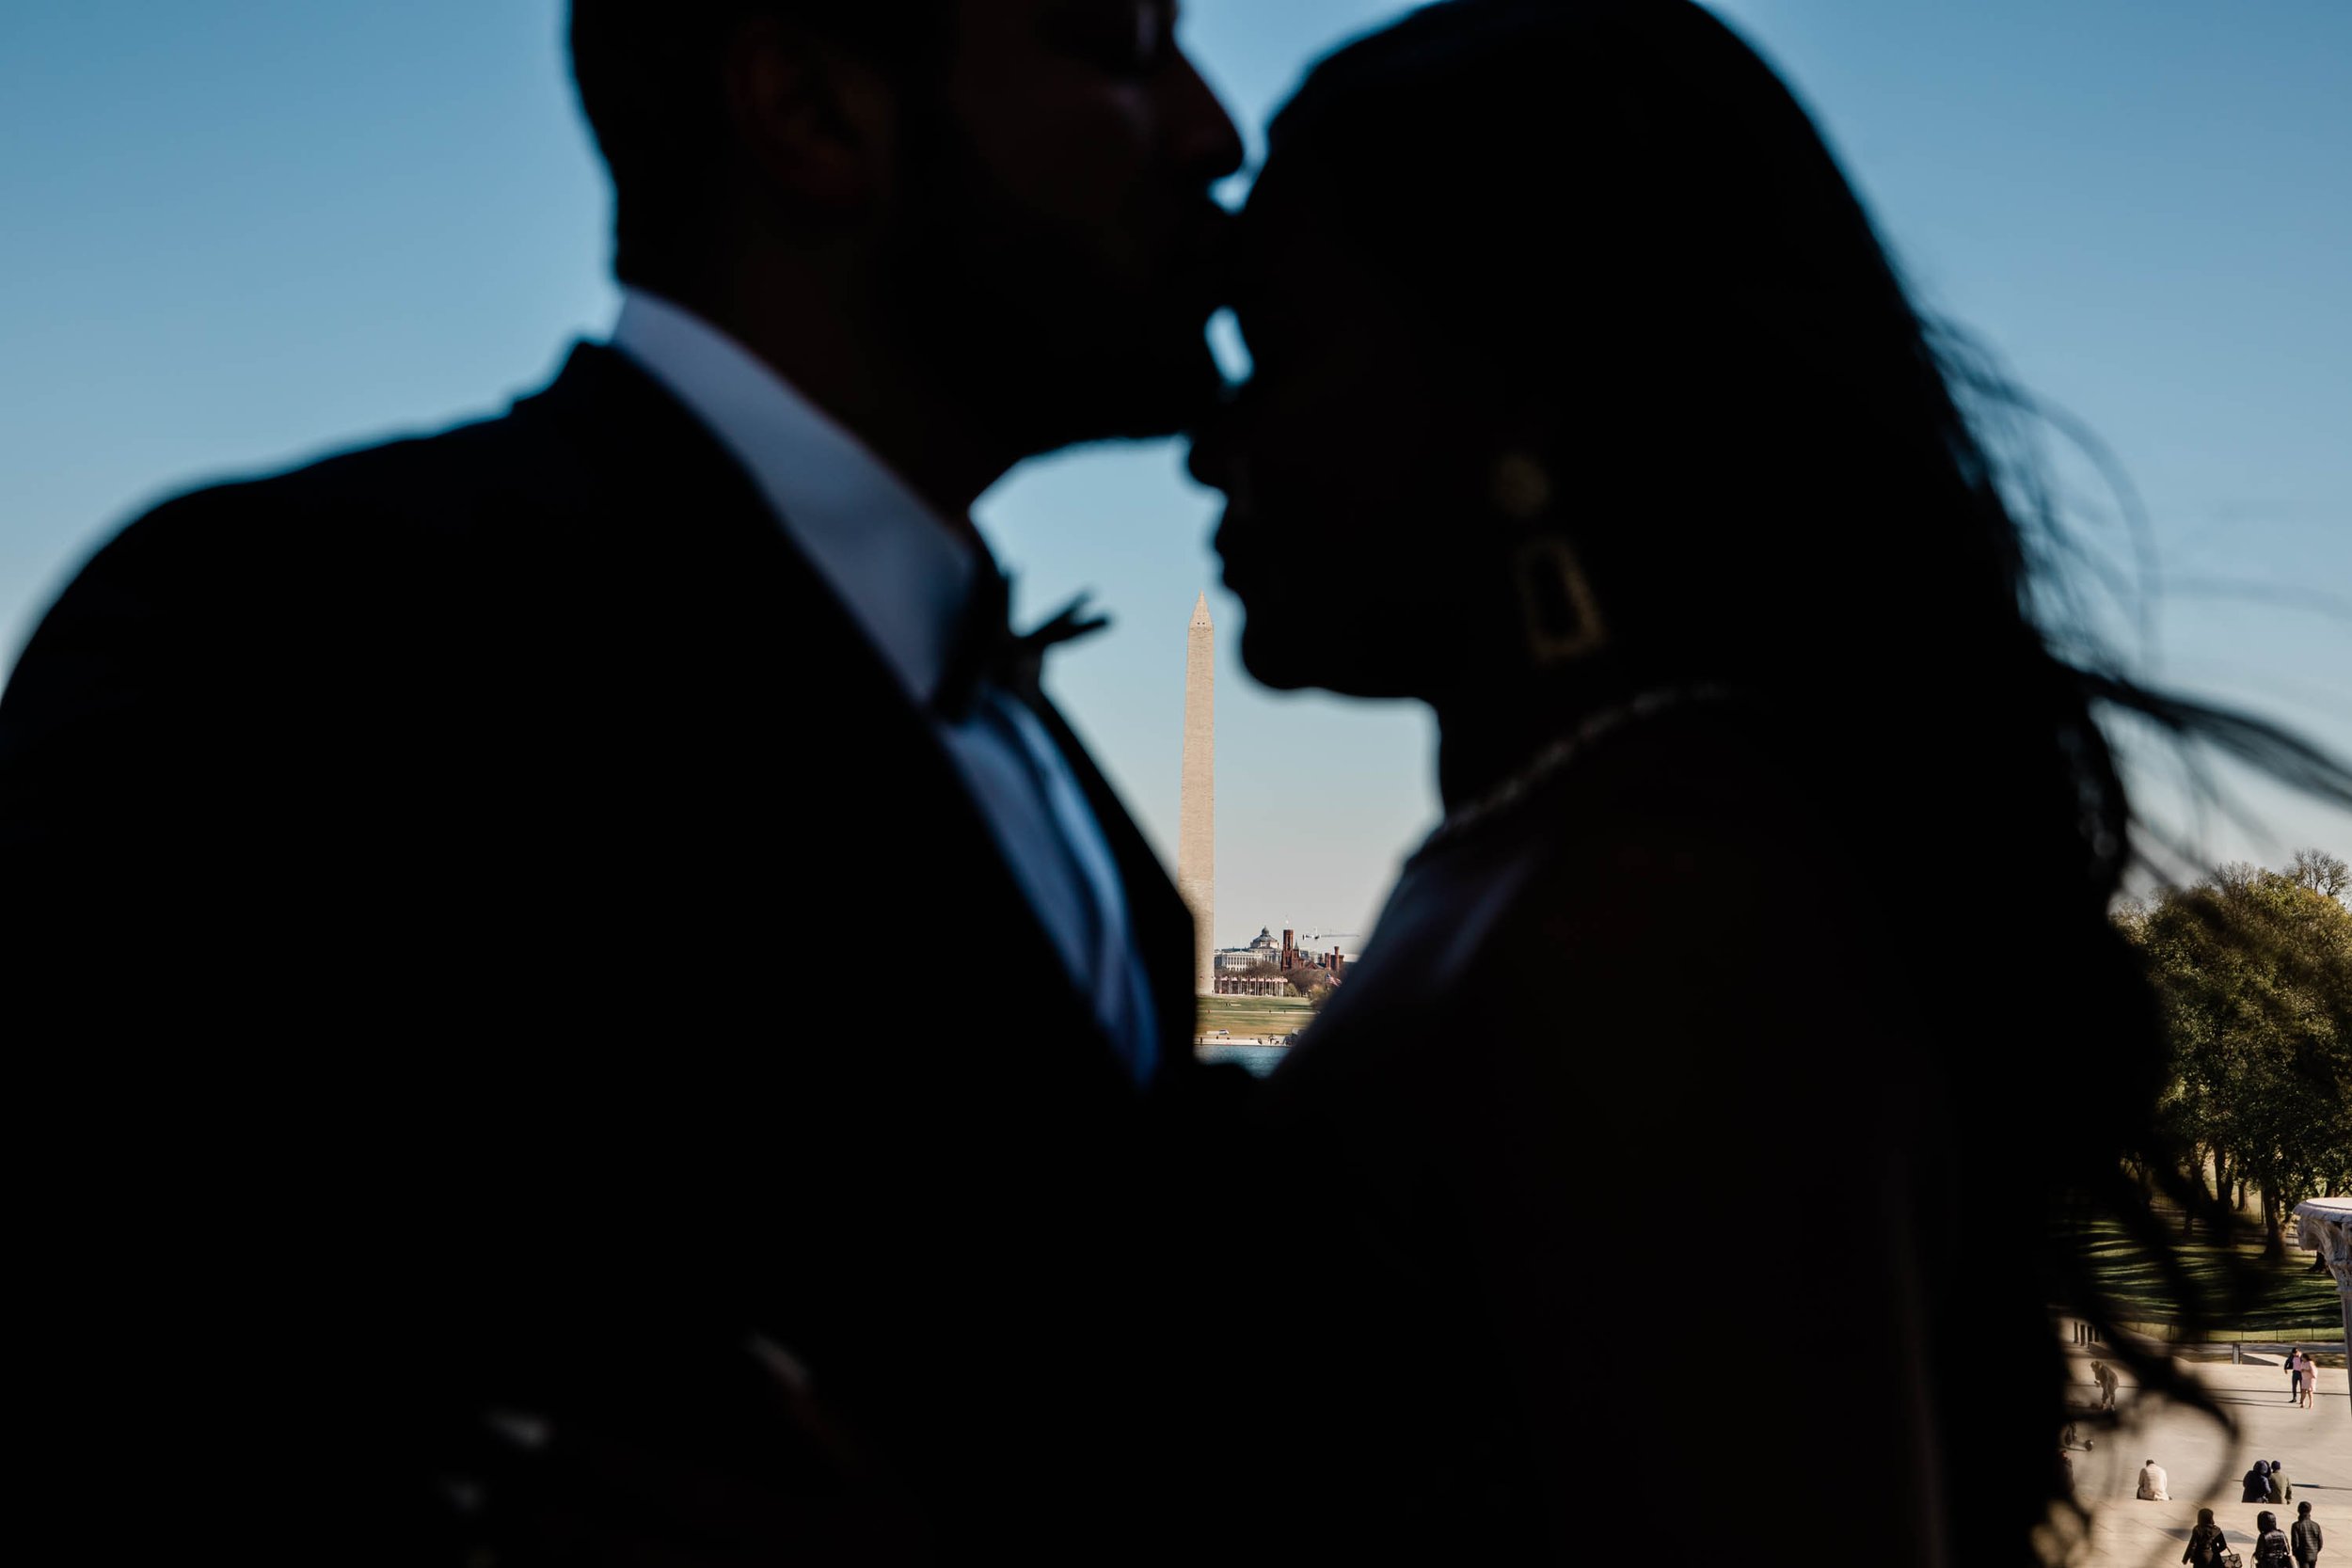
[(456, 886), (2306, 1537)]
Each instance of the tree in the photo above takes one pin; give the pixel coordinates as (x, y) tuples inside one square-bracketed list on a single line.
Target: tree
[(2323, 873), (2254, 969)]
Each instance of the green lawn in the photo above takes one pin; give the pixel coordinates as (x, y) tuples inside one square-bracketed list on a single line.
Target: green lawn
[(1253, 1017), (2289, 1299)]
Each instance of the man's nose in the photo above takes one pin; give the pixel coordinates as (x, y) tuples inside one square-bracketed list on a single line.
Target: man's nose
[(1207, 143)]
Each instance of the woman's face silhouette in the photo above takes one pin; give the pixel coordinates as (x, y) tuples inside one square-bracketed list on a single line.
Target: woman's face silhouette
[(1353, 532)]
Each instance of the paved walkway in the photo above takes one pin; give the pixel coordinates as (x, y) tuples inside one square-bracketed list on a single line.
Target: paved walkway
[(2206, 1464)]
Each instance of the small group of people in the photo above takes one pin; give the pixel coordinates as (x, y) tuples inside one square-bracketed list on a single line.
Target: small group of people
[(2267, 1483), (2273, 1546), (2303, 1377)]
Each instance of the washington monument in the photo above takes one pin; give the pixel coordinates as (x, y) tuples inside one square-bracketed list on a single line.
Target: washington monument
[(1195, 813)]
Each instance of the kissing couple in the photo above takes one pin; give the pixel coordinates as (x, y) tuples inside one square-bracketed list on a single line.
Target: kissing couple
[(435, 873)]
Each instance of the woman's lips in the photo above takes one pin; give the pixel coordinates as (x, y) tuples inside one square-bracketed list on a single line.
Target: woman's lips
[(1233, 548)]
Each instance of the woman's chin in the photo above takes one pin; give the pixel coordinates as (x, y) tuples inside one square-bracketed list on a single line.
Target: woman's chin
[(1292, 654), (1271, 660), (1278, 651)]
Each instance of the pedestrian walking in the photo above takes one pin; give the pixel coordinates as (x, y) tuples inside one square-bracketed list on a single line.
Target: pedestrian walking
[(2257, 1488), (2297, 1371), (2104, 1375), (2152, 1481), (2204, 1542), (2279, 1491), (2270, 1542), (2305, 1537)]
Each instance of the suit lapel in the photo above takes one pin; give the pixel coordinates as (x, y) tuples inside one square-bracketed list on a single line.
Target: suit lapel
[(637, 442), (1163, 925)]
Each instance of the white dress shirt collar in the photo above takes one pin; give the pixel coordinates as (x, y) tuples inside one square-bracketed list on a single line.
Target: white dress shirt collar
[(906, 575), (900, 568)]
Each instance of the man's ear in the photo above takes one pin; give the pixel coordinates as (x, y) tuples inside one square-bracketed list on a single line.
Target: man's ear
[(818, 121)]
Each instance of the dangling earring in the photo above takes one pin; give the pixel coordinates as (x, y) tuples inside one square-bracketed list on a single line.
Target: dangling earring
[(1560, 615), (1562, 618)]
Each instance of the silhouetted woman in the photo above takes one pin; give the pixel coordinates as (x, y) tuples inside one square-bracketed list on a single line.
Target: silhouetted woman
[(2205, 1542), (2257, 1488), (1766, 931), (2271, 1548)]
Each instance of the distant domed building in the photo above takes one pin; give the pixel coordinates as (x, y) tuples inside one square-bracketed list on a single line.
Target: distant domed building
[(1252, 970), (1266, 966), (1262, 949)]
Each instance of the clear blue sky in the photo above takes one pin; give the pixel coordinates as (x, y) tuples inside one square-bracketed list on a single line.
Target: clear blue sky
[(244, 231)]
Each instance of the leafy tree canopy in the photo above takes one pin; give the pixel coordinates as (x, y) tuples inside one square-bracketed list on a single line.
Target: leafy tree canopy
[(2254, 970)]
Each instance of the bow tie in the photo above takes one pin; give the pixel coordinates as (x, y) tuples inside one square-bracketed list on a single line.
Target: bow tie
[(987, 649)]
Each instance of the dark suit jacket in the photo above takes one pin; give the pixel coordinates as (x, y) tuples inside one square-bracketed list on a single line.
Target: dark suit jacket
[(486, 928)]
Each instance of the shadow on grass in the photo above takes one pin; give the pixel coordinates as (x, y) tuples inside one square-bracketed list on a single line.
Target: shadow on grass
[(2285, 1297)]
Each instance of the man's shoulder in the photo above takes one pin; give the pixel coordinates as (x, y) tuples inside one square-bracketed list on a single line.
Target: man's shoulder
[(416, 524), (443, 485)]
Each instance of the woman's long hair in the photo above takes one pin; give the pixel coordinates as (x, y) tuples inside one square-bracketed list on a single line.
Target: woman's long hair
[(1779, 473)]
